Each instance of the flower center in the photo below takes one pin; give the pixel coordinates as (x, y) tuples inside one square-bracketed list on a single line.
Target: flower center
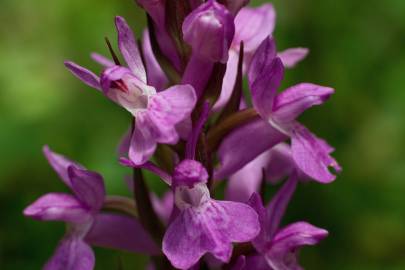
[(192, 197)]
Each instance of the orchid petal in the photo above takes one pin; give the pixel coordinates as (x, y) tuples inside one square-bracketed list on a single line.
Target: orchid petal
[(155, 75), (289, 104), (209, 30), (229, 80), (280, 163), (291, 57), (195, 232), (88, 187), (265, 75), (57, 207), (72, 254), (311, 155), (60, 164), (84, 74), (129, 48), (287, 242), (121, 232), (197, 73), (143, 143), (253, 25), (168, 108), (102, 60), (278, 205), (245, 144)]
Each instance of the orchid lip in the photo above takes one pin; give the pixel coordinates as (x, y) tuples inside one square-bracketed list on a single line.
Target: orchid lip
[(195, 197)]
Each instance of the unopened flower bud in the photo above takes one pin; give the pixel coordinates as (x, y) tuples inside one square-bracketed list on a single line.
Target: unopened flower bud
[(209, 30)]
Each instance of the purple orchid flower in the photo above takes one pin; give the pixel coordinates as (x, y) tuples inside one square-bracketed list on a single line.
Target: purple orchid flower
[(204, 224), (252, 26), (278, 248), (279, 113), (156, 114), (209, 30), (86, 224)]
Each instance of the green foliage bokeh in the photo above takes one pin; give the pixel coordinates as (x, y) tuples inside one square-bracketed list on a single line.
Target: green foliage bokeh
[(357, 47)]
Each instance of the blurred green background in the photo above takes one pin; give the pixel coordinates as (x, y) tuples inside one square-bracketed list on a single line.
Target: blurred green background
[(357, 47)]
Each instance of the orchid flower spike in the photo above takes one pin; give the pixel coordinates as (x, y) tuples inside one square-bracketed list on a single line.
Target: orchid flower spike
[(204, 225), (278, 122), (156, 113), (86, 225), (278, 248)]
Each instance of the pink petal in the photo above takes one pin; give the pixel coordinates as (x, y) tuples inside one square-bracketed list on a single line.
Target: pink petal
[(60, 164), (156, 76), (88, 187), (102, 60), (197, 73), (253, 25), (245, 144), (84, 75), (312, 155), (129, 48), (143, 143), (58, 207), (289, 104), (265, 75), (211, 228), (168, 108), (278, 205), (209, 30), (72, 254), (121, 232), (291, 57), (229, 79), (287, 242), (280, 163)]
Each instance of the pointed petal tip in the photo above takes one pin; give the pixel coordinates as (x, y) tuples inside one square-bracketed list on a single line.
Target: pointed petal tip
[(83, 74)]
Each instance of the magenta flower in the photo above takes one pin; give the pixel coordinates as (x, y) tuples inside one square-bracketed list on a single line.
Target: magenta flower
[(204, 224), (278, 248), (156, 114), (252, 26), (279, 113), (86, 224), (209, 30), (190, 47)]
